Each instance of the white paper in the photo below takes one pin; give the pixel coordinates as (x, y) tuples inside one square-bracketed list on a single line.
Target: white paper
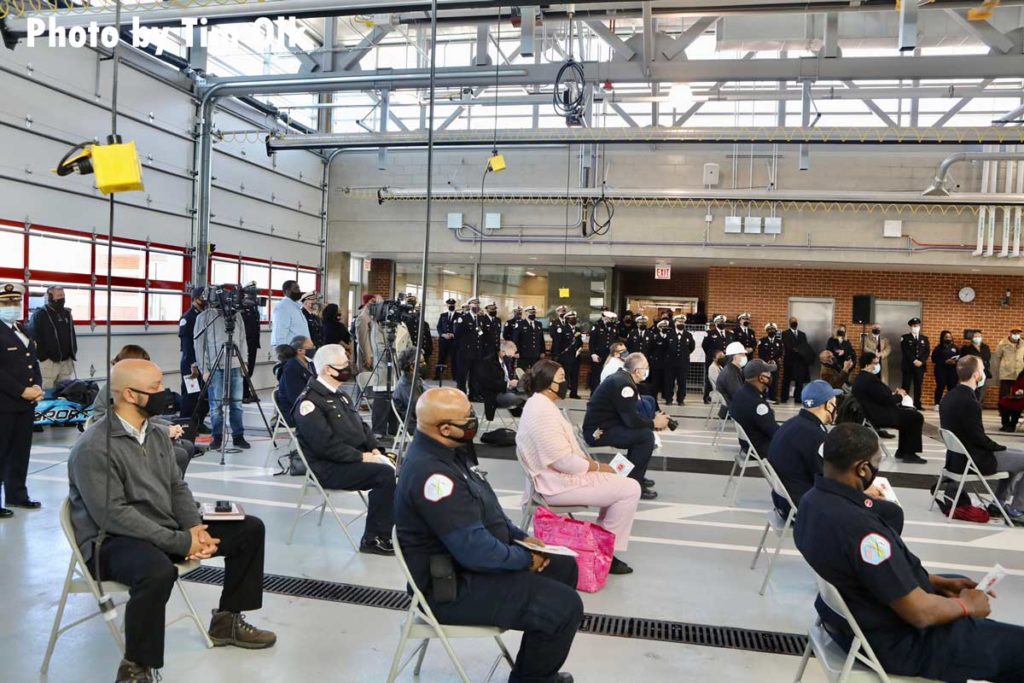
[(907, 402), (384, 460), (549, 549), (192, 385), (994, 576), (885, 488), (621, 465)]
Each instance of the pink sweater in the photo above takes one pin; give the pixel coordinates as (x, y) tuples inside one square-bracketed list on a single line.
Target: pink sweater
[(548, 448)]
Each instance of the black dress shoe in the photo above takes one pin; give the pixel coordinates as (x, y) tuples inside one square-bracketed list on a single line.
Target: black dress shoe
[(882, 434), (648, 494), (5, 513), (377, 546), (27, 504), (240, 442), (575, 396), (648, 483), (619, 567), (911, 458), (564, 677)]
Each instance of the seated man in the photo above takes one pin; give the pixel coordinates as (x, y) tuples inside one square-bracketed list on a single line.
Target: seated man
[(730, 379), (497, 385), (461, 550), (918, 624), (296, 372), (184, 450), (750, 407), (884, 408), (341, 450), (832, 371), (152, 522), (410, 384), (618, 416), (795, 452), (960, 413)]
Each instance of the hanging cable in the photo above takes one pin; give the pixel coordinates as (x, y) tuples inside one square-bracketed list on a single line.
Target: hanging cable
[(570, 94)]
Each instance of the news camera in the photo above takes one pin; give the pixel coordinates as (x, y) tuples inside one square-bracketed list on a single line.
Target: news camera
[(390, 311), (230, 299)]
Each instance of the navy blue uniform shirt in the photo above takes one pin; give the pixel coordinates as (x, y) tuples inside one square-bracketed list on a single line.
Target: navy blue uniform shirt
[(795, 453)]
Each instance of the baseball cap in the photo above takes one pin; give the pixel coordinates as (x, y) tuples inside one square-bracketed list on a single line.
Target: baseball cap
[(817, 393), (756, 367)]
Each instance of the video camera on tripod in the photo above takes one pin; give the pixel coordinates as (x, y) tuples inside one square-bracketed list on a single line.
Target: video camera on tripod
[(230, 299), (390, 311)]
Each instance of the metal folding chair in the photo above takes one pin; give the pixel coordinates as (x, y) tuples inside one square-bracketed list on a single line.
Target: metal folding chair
[(741, 461), (326, 504), (80, 580), (971, 472), (421, 624), (722, 421), (716, 403), (776, 523), (533, 500), (403, 433), (886, 453), (859, 664), (279, 420)]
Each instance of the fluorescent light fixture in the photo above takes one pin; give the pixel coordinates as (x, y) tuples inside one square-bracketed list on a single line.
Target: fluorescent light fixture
[(680, 95), (531, 273), (448, 272)]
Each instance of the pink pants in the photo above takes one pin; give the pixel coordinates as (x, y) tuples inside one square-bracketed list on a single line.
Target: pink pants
[(616, 496)]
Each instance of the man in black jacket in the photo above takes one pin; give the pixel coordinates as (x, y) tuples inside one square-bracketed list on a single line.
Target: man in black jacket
[(960, 413), (470, 330), (341, 450), (53, 330), (795, 365), (566, 347), (446, 345), (884, 408), (750, 409), (716, 339), (251, 321), (916, 349), (614, 419), (528, 336), (674, 349), (20, 390), (498, 385), (602, 334)]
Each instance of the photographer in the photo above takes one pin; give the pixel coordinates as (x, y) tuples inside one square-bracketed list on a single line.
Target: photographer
[(387, 331), (213, 328)]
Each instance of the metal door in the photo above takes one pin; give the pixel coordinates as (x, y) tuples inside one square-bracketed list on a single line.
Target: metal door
[(893, 317), (815, 316)]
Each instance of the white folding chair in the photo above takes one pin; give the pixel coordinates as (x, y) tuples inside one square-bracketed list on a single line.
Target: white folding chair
[(716, 403), (886, 453), (326, 503), (971, 472), (776, 523), (403, 433), (533, 500), (578, 431), (421, 624), (744, 458), (859, 664), (722, 421), (80, 580), (279, 420)]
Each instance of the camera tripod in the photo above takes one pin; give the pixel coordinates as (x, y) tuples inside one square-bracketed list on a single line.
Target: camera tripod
[(228, 351), (390, 363)]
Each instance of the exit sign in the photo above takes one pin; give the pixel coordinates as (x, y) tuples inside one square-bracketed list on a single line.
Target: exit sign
[(663, 271)]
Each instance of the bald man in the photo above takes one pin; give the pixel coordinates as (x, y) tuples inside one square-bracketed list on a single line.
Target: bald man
[(152, 522), (461, 549)]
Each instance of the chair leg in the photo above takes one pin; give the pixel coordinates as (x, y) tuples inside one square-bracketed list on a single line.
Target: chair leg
[(935, 494), (959, 489), (771, 565), (406, 630), (995, 499), (739, 478), (55, 631), (451, 655), (504, 651), (194, 614), (803, 662), (760, 544), (323, 511), (421, 656), (728, 482), (298, 509), (337, 517)]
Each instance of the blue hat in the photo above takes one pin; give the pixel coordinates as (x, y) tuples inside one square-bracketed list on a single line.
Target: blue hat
[(198, 292), (817, 393)]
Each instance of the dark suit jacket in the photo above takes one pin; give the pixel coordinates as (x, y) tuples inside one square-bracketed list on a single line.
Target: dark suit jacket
[(19, 370), (880, 405), (960, 413)]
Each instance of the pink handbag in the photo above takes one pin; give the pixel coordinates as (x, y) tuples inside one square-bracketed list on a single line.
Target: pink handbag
[(595, 545)]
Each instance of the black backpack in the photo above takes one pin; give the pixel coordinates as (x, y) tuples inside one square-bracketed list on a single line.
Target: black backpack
[(849, 410), (499, 437), (291, 464)]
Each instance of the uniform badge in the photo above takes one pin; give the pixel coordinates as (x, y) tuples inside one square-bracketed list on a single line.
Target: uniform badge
[(437, 487), (627, 392), (306, 407), (875, 549), (181, 323), (762, 409), (868, 503)]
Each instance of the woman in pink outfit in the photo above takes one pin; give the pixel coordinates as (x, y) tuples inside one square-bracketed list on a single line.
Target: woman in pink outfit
[(560, 469)]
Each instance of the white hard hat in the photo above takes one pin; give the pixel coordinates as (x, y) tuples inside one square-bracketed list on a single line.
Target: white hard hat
[(735, 348)]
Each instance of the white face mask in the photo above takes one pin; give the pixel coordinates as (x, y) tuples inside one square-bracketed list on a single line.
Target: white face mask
[(976, 340), (981, 382), (875, 369), (915, 329), (743, 361), (1015, 337), (642, 375)]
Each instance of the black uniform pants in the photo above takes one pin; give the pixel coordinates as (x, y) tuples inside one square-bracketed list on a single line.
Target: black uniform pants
[(773, 387), (571, 365), (675, 379), (360, 476), (150, 574), (15, 446), (544, 606), (913, 376), (944, 380), (595, 372), (908, 423), (638, 442), (527, 363), (446, 352), (250, 366), (794, 372), (382, 419), (708, 388), (189, 401), (465, 378)]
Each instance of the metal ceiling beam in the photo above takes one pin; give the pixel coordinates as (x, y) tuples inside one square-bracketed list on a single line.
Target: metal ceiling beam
[(870, 104), (350, 58), (624, 114), (618, 45), (960, 104), (687, 37), (983, 31), (653, 136), (774, 69), (1010, 116)]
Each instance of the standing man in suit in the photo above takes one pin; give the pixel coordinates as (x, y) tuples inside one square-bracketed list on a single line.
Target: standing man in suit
[(795, 367), (676, 347), (566, 347), (716, 339), (916, 348), (446, 340), (529, 339), (508, 332), (20, 390), (602, 334), (743, 334), (770, 350), (877, 344), (470, 330)]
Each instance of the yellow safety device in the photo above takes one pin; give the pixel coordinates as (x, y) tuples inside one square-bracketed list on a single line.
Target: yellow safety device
[(115, 164), (496, 163)]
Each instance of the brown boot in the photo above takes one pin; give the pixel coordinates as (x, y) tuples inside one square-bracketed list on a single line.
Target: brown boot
[(130, 672), (231, 628)]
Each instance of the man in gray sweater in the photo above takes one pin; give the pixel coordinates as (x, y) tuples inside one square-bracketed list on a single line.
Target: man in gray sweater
[(152, 522)]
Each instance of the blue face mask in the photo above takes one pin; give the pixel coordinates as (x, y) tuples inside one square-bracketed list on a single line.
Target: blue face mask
[(10, 314)]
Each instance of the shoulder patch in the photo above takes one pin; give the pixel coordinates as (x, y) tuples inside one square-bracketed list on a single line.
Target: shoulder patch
[(875, 549), (627, 392), (437, 487), (762, 409), (306, 407), (182, 322)]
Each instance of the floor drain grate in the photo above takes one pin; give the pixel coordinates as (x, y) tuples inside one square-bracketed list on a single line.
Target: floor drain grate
[(770, 642)]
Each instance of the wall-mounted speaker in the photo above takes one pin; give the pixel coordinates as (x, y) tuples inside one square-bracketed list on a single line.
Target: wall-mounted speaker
[(863, 309)]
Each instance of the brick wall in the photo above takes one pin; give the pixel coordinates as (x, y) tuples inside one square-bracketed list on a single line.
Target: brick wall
[(379, 280), (765, 293)]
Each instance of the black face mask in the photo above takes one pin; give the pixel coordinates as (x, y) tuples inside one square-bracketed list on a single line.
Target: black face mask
[(746, 325), (342, 374), (532, 316), (680, 326), (469, 429), (423, 371), (947, 342), (876, 330), (840, 334), (719, 326), (157, 403), (869, 480), (58, 304), (295, 295), (642, 326), (771, 334), (451, 308), (792, 326), (562, 391)]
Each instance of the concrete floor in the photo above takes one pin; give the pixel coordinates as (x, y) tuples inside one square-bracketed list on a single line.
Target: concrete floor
[(690, 548)]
